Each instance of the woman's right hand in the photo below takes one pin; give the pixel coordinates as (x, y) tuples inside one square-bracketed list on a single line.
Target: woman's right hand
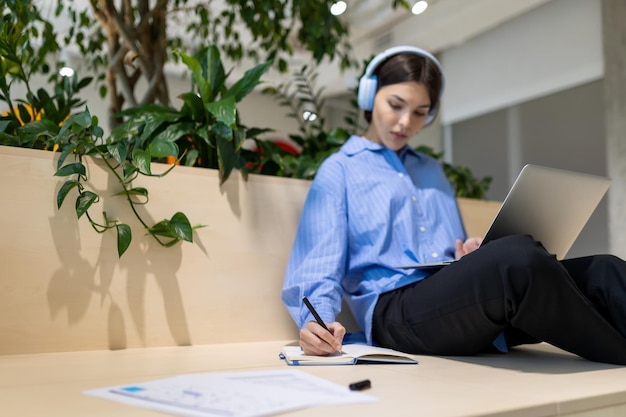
[(315, 340)]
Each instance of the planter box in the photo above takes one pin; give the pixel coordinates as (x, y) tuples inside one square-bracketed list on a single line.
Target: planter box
[(63, 287)]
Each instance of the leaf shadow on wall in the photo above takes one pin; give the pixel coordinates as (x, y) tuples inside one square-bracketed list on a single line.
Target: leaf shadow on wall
[(82, 278)]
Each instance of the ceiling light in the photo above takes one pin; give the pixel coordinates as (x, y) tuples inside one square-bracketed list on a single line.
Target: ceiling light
[(309, 116), (66, 72), (64, 60), (419, 7), (338, 8)]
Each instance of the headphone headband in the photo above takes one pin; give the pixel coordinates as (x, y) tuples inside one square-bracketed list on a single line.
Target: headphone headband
[(368, 84)]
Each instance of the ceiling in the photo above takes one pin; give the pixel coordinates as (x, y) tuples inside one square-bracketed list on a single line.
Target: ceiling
[(444, 24), (375, 26)]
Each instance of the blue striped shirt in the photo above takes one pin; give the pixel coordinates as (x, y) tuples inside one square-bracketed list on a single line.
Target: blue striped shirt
[(368, 211)]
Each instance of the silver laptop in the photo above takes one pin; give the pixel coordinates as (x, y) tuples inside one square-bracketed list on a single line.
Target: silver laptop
[(552, 205)]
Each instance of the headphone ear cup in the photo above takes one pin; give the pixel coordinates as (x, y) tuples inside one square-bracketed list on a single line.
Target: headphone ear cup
[(367, 91), (430, 117)]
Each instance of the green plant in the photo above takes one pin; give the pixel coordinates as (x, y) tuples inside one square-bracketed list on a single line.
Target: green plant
[(39, 111), (144, 33), (461, 177), (207, 128), (206, 131), (81, 136), (207, 125), (316, 142), (45, 121)]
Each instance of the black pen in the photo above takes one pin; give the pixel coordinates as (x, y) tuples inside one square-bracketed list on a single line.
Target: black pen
[(361, 385), (318, 319)]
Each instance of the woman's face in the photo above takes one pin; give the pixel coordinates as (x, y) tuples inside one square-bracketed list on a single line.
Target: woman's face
[(399, 112)]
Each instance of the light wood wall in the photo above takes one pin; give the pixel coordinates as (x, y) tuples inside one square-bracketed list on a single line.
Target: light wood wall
[(63, 287)]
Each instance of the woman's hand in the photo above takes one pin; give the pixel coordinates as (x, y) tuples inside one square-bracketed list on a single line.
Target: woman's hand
[(315, 340), (470, 245)]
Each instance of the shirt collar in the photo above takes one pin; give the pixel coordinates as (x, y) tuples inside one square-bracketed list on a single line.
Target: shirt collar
[(357, 144)]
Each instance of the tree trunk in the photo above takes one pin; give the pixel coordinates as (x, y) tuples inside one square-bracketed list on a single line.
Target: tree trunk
[(137, 50)]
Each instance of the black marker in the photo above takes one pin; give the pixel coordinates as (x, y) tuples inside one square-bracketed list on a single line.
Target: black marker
[(361, 385), (318, 319)]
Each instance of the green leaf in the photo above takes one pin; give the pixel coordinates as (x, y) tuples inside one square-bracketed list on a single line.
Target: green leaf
[(195, 106), (246, 84), (24, 114), (223, 131), (39, 127), (124, 237), (70, 169), (162, 148), (177, 228), (130, 170), (227, 159), (9, 140), (192, 156), (337, 136), (155, 121), (283, 66), (181, 227), (82, 119), (224, 110), (253, 132), (65, 151), (174, 132), (84, 201), (83, 83), (142, 161), (118, 150), (196, 69), (65, 189), (4, 124), (239, 137), (203, 133), (138, 191), (215, 75), (162, 228)]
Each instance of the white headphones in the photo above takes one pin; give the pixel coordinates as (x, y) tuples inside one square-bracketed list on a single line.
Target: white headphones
[(368, 83)]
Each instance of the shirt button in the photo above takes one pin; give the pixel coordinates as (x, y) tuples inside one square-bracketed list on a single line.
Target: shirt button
[(435, 255), (422, 229), (400, 174), (414, 198)]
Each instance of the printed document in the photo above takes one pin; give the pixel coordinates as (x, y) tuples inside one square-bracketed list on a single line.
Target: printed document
[(236, 394)]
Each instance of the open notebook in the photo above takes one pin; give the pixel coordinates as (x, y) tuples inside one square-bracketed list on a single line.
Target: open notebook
[(552, 205), (351, 354)]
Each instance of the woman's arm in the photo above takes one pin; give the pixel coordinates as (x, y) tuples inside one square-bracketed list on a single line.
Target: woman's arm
[(318, 260)]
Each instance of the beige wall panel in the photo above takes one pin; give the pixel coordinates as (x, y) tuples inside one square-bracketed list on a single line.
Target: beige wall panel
[(63, 287)]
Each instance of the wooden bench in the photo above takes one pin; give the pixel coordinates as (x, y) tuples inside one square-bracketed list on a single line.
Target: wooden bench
[(74, 317), (64, 288)]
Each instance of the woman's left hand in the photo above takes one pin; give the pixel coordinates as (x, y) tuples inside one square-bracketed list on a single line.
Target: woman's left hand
[(470, 245)]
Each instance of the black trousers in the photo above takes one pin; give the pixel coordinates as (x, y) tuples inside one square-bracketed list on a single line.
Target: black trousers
[(510, 285)]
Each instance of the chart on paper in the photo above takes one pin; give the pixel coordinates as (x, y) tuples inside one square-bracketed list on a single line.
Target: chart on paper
[(245, 394)]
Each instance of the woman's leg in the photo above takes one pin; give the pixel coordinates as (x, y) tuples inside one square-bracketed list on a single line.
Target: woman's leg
[(602, 279), (510, 282)]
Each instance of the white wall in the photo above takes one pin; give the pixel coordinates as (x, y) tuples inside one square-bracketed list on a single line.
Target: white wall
[(531, 91), (551, 48)]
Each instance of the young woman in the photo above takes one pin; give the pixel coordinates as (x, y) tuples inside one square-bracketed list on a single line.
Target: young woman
[(377, 204)]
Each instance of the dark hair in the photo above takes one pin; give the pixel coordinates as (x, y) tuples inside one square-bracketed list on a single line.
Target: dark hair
[(410, 67)]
